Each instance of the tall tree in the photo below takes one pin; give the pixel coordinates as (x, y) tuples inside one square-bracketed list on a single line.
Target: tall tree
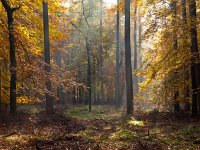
[(129, 81), (175, 48), (49, 98), (195, 68), (89, 75), (184, 46), (139, 40), (101, 52), (117, 78), (0, 84), (13, 73), (135, 54)]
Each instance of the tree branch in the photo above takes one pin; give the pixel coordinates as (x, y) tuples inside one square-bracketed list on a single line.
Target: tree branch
[(7, 7)]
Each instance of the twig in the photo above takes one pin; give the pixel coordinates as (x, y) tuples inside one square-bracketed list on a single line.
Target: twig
[(7, 135)]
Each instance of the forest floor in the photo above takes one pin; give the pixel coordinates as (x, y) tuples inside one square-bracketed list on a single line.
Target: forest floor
[(105, 128)]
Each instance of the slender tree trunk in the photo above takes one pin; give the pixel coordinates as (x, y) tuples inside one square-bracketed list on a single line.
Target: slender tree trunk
[(89, 75), (101, 53), (135, 78), (140, 41), (129, 82), (117, 78), (13, 73), (49, 98), (195, 68), (60, 88)]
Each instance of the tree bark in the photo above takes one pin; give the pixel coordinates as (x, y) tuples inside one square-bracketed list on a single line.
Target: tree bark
[(117, 78), (140, 41), (129, 82), (89, 75), (195, 68), (101, 53), (13, 73), (175, 48), (49, 98), (186, 66), (135, 78)]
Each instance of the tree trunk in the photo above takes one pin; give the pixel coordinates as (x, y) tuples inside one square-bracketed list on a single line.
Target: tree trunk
[(0, 85), (135, 78), (49, 98), (101, 53), (175, 48), (186, 66), (117, 78), (195, 68), (89, 76), (129, 82), (13, 74), (60, 88), (140, 41)]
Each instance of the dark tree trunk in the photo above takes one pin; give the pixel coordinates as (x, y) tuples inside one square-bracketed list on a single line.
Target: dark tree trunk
[(49, 98), (0, 85), (195, 68), (117, 78), (13, 74), (129, 82), (89, 75)]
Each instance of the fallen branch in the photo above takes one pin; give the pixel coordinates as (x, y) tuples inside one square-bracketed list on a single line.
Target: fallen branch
[(7, 135)]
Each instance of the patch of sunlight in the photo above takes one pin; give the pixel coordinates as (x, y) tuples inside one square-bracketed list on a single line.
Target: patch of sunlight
[(136, 122), (88, 134), (107, 128), (98, 112), (123, 135), (16, 138)]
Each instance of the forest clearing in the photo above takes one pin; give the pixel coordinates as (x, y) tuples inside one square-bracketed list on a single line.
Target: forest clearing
[(99, 75), (103, 129)]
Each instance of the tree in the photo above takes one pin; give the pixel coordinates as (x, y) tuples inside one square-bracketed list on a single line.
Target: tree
[(13, 74), (135, 54), (184, 46), (195, 68), (129, 82), (49, 98), (101, 52), (175, 48), (117, 75)]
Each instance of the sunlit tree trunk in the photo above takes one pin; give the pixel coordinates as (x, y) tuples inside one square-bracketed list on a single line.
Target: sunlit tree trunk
[(195, 68), (129, 82), (135, 54), (13, 73), (140, 41), (173, 6), (186, 71), (49, 98), (117, 78)]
